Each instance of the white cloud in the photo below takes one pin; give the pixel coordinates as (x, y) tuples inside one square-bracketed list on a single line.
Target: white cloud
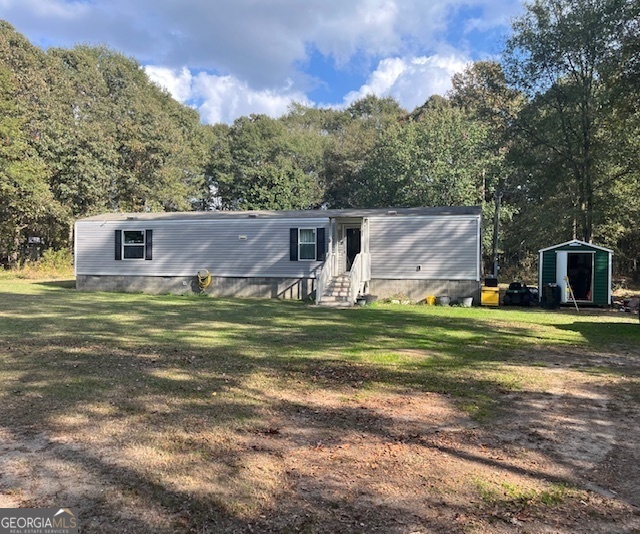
[(381, 80), (178, 83), (411, 81), (224, 98)]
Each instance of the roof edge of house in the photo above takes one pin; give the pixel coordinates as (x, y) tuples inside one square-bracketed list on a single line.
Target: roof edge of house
[(288, 214)]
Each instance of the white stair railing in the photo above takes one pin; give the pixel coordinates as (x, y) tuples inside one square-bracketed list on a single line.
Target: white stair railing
[(355, 276), (325, 276), (366, 269), (360, 274)]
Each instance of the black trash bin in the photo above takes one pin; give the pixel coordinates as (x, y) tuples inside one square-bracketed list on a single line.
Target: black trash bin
[(550, 296)]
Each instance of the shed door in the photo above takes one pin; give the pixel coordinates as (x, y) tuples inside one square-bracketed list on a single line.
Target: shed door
[(579, 269), (580, 272), (561, 274)]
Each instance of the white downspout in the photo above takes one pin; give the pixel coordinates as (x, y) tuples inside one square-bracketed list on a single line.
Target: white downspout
[(75, 249), (610, 279), (334, 245), (479, 238)]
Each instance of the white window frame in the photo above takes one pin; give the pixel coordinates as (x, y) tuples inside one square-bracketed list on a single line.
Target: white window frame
[(143, 245), (315, 244)]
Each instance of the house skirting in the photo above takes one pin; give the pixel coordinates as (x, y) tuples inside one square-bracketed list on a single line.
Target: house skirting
[(273, 287), (418, 290), (283, 288)]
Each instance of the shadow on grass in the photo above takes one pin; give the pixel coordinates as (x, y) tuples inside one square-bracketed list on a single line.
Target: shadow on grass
[(606, 333), (175, 365), (62, 284)]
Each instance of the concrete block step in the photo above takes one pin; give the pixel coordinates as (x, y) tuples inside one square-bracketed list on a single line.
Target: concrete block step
[(339, 287), (332, 304), (334, 298)]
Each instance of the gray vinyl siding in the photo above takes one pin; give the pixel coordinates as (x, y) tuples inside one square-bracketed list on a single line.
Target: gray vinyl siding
[(182, 248), (445, 248)]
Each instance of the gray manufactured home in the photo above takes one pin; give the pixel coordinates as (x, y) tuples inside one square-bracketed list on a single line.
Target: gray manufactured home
[(330, 255)]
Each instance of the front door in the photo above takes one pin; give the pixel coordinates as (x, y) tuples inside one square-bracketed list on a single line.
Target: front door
[(353, 245)]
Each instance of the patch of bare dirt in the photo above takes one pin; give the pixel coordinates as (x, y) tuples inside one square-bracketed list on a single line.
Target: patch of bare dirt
[(561, 459)]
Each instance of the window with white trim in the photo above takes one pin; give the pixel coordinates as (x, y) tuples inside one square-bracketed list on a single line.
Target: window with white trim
[(133, 244), (307, 244)]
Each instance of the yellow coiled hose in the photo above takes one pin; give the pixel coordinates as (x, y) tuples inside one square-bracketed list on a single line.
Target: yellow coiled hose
[(204, 279)]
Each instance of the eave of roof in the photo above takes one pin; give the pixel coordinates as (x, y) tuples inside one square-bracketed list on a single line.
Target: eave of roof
[(290, 214)]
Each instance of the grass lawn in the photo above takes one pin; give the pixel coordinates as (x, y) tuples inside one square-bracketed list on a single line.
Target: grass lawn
[(192, 414)]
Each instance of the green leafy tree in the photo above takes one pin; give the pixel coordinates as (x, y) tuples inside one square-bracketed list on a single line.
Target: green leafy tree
[(27, 206), (483, 92), (267, 168), (79, 141), (621, 226), (89, 132), (438, 158), (160, 151), (218, 168), (353, 134), (556, 57)]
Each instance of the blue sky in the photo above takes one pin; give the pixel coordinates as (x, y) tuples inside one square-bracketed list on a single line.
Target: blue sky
[(229, 58)]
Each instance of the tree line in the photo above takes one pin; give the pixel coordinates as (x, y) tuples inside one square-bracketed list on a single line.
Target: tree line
[(549, 134)]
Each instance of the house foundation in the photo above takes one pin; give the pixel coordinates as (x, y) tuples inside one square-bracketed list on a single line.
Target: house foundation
[(271, 287)]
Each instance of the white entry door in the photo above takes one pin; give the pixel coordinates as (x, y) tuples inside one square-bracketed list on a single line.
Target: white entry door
[(561, 275)]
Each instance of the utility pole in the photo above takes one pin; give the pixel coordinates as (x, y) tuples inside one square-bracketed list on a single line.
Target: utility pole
[(496, 230)]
